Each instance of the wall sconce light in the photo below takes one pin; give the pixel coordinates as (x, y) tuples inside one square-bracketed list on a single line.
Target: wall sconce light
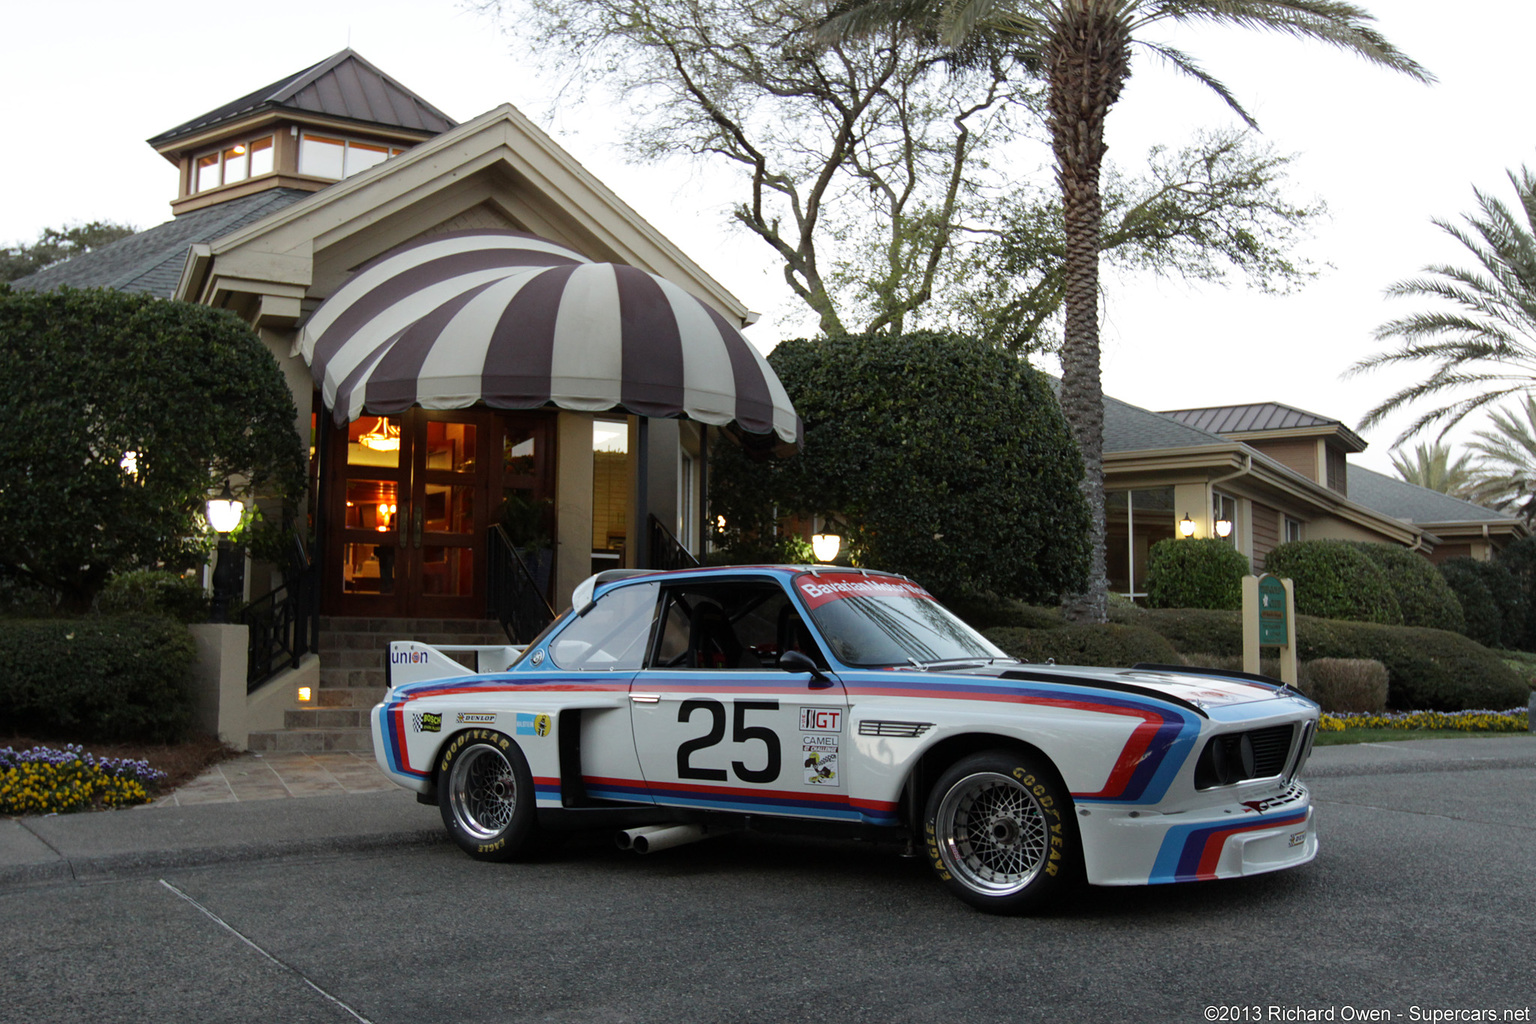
[(1223, 528), (1186, 527), (826, 546)]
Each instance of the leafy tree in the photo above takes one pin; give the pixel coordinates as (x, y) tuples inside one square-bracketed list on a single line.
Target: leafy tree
[(1431, 467), (1506, 478), (55, 245), (1492, 600), (87, 377), (865, 165), (1082, 49), (937, 455), (1480, 338)]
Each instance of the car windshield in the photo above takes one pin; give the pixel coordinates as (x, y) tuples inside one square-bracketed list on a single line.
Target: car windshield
[(875, 621)]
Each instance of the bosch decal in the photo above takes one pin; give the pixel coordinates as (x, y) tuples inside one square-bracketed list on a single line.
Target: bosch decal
[(427, 721)]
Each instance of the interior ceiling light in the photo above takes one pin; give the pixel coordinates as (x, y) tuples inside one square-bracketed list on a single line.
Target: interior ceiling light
[(384, 437)]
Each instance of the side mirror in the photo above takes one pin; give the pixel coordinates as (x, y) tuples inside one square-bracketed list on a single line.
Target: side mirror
[(799, 661)]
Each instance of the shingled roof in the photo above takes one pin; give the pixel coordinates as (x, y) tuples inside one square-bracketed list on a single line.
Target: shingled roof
[(1130, 428), (151, 261), (343, 85), (1402, 500)]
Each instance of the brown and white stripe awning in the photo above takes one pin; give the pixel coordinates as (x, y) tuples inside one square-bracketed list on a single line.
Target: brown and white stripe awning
[(519, 322)]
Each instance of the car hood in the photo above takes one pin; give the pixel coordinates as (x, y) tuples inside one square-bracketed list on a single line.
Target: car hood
[(1199, 691)]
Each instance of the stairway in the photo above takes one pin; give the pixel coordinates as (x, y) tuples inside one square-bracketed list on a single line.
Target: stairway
[(352, 653)]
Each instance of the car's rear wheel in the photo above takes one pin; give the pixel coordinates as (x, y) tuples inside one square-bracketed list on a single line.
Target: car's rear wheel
[(485, 793), (1000, 832)]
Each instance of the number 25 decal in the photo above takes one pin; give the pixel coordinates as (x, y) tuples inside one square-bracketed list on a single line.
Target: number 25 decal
[(741, 732)]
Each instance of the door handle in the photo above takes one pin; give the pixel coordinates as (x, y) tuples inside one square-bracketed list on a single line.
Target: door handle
[(645, 698), (416, 518)]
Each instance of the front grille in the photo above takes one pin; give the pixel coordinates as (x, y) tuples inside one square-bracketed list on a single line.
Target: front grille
[(1238, 756)]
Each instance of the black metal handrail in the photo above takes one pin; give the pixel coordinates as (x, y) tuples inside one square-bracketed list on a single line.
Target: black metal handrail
[(284, 624), (514, 596), (666, 551)]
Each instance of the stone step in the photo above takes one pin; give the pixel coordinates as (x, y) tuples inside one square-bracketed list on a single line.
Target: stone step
[(311, 740), (363, 697), (334, 717)]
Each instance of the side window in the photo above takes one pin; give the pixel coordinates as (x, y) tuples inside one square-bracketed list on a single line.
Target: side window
[(612, 636), (743, 625)]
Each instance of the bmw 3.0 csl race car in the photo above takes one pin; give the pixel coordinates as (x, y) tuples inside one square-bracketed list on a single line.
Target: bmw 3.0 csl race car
[(675, 705)]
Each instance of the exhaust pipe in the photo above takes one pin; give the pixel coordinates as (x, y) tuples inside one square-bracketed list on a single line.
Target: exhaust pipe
[(625, 838), (651, 838), (666, 837)]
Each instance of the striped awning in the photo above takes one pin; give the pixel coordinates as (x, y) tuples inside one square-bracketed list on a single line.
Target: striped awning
[(519, 322)]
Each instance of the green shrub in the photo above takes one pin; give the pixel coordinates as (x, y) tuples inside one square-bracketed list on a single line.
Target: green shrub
[(989, 613), (1520, 559), (1198, 630), (1344, 684), (1335, 580), (155, 592), (1509, 598), (1108, 645), (1423, 596), (1483, 622), (1427, 669), (97, 679), (1204, 573)]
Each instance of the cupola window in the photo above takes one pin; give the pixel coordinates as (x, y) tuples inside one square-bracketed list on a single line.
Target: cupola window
[(329, 156), (233, 163)]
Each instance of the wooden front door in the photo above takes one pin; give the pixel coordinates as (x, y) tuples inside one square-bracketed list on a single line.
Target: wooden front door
[(410, 499), (410, 503)]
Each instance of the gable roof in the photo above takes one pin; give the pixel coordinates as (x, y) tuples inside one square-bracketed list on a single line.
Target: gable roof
[(1266, 417), (1402, 500), (151, 261), (343, 85)]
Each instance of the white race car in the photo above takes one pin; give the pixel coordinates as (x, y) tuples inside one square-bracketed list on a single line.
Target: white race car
[(675, 705)]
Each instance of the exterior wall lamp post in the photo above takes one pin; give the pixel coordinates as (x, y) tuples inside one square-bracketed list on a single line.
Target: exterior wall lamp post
[(224, 515), (1223, 528), (1186, 527)]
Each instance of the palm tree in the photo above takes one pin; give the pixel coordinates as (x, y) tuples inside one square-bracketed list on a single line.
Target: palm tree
[(1506, 480), (1483, 339), (1082, 48), (1431, 467)]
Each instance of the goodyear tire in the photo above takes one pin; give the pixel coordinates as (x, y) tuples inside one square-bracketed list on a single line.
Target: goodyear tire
[(485, 792), (1000, 832)]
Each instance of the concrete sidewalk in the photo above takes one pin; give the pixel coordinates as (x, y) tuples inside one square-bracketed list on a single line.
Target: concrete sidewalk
[(253, 808)]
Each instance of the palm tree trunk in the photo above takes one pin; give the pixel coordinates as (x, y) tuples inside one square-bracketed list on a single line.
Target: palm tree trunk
[(1088, 63)]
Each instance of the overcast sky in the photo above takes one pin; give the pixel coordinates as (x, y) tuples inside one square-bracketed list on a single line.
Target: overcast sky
[(90, 80)]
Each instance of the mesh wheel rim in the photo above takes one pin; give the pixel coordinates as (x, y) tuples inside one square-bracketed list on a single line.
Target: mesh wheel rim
[(483, 792), (993, 835)]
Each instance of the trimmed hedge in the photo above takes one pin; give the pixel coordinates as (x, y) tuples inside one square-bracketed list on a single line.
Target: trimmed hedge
[(155, 592), (1423, 596), (1335, 580), (1427, 669), (1204, 573), (1109, 646), (97, 680)]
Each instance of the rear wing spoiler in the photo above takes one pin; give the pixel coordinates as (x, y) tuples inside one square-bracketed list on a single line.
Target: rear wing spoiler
[(411, 661)]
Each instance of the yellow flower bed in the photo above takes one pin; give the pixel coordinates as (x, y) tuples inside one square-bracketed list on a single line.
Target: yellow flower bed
[(1514, 720), (48, 781)]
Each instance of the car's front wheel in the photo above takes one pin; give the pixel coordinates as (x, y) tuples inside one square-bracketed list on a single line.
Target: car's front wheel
[(1000, 832), (485, 793)]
